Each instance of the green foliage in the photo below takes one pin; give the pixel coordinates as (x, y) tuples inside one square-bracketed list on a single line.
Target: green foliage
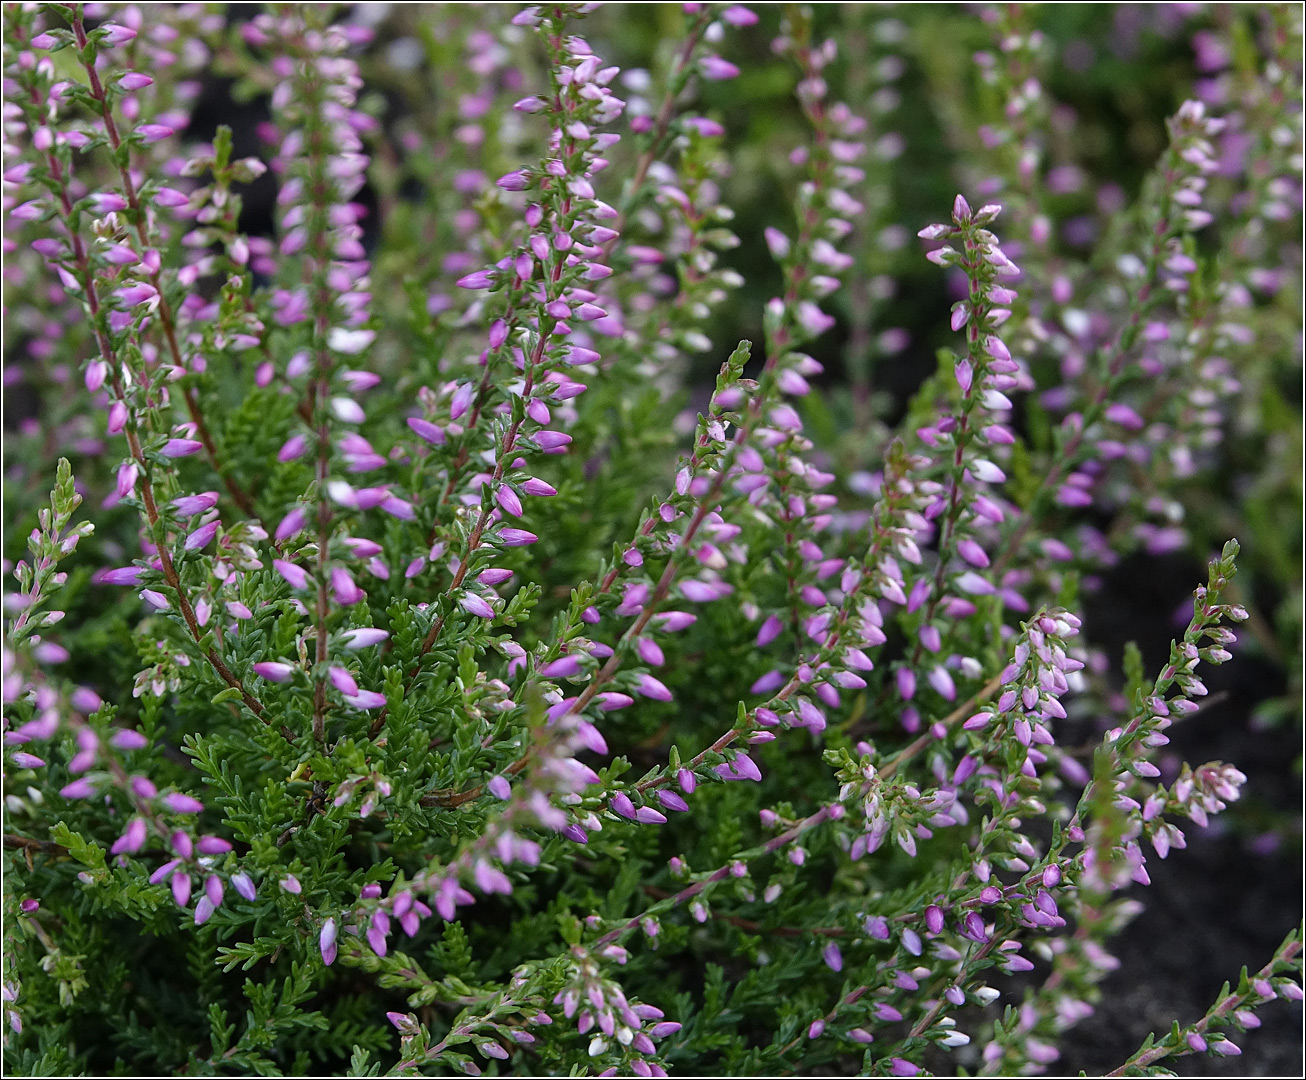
[(217, 853)]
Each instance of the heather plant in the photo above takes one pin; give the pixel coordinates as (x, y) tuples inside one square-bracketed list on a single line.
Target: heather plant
[(434, 648)]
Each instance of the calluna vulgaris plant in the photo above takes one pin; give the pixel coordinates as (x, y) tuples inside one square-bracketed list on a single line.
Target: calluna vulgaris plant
[(433, 697)]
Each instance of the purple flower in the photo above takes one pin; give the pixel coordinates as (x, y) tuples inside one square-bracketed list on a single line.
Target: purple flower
[(124, 575), (475, 605), (181, 888), (516, 537), (649, 687), (204, 909), (137, 293), (551, 440), (326, 942), (481, 279), (514, 181), (404, 1022), (342, 680), (152, 133), (738, 15), (378, 931), (934, 919), (671, 800), (132, 839), (577, 356), (363, 637), (1123, 415), (650, 652), (833, 957), (973, 925), (974, 554), (972, 583), (769, 631), (940, 679), (190, 505), (170, 197), (274, 671), (742, 767), (562, 668), (176, 448), (113, 34), (344, 588), (293, 449), (78, 789), (201, 537), (427, 431), (180, 803), (244, 885), (292, 524), (213, 889), (507, 498), (713, 67), (347, 410), (107, 202), (295, 576), (164, 870)]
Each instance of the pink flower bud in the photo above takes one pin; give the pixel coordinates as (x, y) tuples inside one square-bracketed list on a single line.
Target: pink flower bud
[(180, 803), (176, 448), (114, 34), (326, 942), (475, 605), (244, 885), (833, 957), (715, 68), (132, 839), (516, 537), (274, 671)]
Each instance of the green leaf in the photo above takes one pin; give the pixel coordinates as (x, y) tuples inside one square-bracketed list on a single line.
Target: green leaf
[(84, 851)]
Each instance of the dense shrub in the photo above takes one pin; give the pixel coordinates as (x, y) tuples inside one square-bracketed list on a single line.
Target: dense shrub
[(443, 649)]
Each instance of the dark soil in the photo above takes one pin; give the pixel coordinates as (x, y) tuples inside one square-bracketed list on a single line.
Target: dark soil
[(1233, 894), (1210, 910)]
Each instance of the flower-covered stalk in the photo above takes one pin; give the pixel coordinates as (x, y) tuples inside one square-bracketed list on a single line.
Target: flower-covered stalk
[(89, 273)]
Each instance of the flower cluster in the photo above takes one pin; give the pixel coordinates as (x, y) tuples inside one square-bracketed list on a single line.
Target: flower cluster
[(419, 626)]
